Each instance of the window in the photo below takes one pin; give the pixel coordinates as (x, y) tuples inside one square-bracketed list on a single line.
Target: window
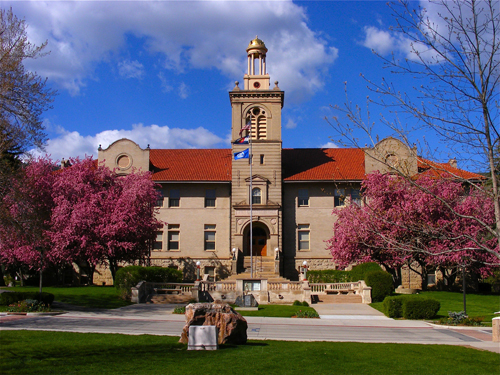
[(210, 198), (256, 196), (173, 237), (174, 198), (159, 200), (356, 197), (210, 271), (158, 244), (303, 236), (339, 197), (209, 237), (261, 159), (303, 197)]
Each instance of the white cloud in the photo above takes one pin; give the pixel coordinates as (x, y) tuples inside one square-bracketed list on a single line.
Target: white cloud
[(72, 144), (329, 145), (379, 40), (291, 124), (183, 90), (186, 35), (131, 69)]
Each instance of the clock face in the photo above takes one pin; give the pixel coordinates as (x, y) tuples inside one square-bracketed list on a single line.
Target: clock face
[(256, 85)]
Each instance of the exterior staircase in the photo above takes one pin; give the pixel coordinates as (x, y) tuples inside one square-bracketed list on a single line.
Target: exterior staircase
[(263, 268)]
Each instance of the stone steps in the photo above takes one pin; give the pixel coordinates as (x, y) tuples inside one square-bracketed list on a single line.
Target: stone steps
[(340, 298), (170, 298), (257, 275)]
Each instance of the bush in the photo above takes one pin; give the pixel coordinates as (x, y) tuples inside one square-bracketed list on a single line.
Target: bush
[(298, 303), (393, 306), (420, 308), (128, 277), (28, 305), (410, 307), (359, 272), (180, 310), (307, 314), (328, 276), (8, 298), (381, 284)]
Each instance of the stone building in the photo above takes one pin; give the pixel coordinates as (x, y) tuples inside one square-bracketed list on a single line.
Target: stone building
[(217, 206)]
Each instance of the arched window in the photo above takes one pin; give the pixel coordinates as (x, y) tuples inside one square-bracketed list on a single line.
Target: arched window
[(258, 120), (256, 196)]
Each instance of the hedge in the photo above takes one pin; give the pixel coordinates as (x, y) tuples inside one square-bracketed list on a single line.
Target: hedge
[(381, 284), (328, 276), (359, 272), (128, 277), (410, 307), (337, 276), (8, 298)]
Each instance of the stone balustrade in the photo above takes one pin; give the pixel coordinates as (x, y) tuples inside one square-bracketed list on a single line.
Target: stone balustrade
[(263, 290)]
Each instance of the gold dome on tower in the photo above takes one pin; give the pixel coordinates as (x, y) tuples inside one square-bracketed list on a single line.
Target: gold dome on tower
[(257, 44)]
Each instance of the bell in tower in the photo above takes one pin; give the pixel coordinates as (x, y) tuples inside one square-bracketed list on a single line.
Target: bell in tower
[(256, 77)]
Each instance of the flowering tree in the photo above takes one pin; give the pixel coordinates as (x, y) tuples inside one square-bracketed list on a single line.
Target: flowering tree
[(84, 213), (25, 224), (435, 223), (100, 217)]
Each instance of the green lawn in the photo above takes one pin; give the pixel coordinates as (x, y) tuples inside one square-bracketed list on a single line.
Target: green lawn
[(477, 304), (276, 311), (37, 352), (103, 297)]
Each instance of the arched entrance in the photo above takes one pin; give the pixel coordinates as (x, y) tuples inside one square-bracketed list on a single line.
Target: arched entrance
[(260, 238)]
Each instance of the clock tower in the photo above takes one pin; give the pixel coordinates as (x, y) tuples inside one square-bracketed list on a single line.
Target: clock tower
[(256, 215)]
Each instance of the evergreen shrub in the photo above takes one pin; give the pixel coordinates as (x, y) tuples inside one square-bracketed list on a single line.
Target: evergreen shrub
[(381, 284), (328, 276), (410, 307), (393, 306), (359, 272), (130, 276), (420, 308), (8, 298)]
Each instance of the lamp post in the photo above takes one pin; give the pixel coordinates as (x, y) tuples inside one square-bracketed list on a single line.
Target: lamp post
[(233, 251), (304, 268), (277, 253), (198, 263)]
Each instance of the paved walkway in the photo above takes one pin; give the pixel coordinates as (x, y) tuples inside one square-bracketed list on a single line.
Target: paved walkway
[(339, 322)]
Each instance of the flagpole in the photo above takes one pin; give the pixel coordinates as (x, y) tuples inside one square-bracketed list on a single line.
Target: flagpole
[(251, 201)]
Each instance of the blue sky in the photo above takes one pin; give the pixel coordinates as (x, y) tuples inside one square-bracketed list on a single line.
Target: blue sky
[(159, 72)]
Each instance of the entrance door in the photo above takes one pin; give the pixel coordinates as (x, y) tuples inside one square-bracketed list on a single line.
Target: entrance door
[(259, 242)]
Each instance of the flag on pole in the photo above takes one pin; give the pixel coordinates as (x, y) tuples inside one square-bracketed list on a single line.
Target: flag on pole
[(246, 127), (245, 154), (242, 141)]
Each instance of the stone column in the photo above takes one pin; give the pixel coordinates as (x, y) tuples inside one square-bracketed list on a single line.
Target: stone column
[(495, 324)]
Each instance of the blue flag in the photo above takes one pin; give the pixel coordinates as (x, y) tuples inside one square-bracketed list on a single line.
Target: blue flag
[(245, 154)]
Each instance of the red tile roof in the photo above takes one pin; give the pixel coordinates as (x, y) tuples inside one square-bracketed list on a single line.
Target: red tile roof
[(320, 164), (444, 170), (300, 164), (191, 164)]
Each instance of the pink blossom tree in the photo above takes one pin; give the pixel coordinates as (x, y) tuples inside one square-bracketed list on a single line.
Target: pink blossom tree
[(26, 222), (84, 213), (435, 223), (102, 218)]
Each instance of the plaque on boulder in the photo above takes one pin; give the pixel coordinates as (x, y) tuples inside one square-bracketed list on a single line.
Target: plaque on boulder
[(231, 326), (246, 301)]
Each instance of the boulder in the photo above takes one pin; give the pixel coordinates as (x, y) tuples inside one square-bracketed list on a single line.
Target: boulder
[(231, 325)]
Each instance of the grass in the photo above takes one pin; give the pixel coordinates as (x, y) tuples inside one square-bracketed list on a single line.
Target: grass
[(477, 304), (37, 352), (102, 297), (276, 311)]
